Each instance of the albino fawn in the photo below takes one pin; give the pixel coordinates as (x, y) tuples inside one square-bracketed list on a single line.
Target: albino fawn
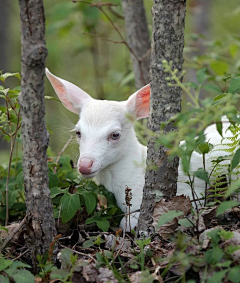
[(109, 149)]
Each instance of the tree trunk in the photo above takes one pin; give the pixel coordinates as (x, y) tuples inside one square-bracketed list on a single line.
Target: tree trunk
[(138, 39), (40, 221), (4, 23), (165, 102)]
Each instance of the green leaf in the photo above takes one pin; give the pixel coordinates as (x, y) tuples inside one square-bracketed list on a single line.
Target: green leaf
[(57, 191), (224, 264), (212, 88), (3, 228), (214, 235), (65, 258), (53, 180), (219, 97), (202, 75), (20, 180), (4, 263), (226, 235), (236, 159), (3, 77), (88, 243), (233, 49), (101, 221), (185, 222), (23, 276), (217, 277), (60, 274), (4, 279), (225, 205), (4, 91), (205, 147), (233, 274), (214, 255), (219, 67), (51, 97), (234, 85), (219, 127), (202, 174), (14, 267), (168, 216), (127, 79), (70, 205), (233, 187), (103, 224), (89, 199)]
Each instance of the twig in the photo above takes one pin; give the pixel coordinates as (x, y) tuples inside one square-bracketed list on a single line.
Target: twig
[(9, 237), (88, 255), (61, 152), (13, 139), (115, 13), (100, 7), (21, 255)]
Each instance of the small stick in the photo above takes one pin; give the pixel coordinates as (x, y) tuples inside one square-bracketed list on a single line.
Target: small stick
[(9, 237), (90, 256), (21, 255), (61, 152)]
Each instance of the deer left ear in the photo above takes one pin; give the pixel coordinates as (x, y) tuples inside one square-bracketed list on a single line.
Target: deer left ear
[(138, 103)]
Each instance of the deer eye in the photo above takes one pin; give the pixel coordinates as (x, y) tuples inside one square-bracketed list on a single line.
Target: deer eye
[(115, 136), (78, 134)]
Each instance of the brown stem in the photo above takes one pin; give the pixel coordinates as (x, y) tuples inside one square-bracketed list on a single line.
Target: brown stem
[(61, 152), (13, 139), (99, 6)]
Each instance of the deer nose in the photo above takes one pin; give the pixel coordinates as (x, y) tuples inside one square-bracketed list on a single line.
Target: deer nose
[(85, 165)]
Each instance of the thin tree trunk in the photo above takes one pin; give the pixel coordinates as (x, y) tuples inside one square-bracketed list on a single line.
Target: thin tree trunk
[(165, 102), (40, 221), (138, 39)]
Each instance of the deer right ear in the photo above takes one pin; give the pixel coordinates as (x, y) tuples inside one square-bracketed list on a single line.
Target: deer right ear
[(138, 103), (72, 97)]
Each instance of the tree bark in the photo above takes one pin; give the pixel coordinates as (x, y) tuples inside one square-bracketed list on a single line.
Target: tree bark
[(40, 221), (138, 39), (165, 102)]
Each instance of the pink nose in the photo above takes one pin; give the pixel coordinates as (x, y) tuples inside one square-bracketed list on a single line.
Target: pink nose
[(85, 165)]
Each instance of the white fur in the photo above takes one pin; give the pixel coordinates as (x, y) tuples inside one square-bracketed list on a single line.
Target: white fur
[(117, 163)]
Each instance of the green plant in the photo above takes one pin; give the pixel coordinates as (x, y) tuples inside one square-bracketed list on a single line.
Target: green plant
[(15, 270)]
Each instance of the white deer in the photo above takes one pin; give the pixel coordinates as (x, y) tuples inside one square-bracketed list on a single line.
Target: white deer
[(109, 149)]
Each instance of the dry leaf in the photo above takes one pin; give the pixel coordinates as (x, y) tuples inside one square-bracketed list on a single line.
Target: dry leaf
[(180, 203), (4, 234), (208, 214), (117, 243), (90, 273), (102, 201), (106, 275), (204, 239)]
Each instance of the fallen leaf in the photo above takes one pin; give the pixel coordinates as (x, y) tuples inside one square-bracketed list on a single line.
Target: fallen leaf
[(180, 203), (117, 243), (106, 275), (90, 273)]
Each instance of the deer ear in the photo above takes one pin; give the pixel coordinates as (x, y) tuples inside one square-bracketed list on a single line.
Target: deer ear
[(72, 97), (138, 103)]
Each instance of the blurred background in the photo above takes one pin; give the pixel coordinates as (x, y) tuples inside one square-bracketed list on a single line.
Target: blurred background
[(79, 51)]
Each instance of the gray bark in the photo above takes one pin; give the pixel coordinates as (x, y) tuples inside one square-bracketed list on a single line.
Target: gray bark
[(165, 102), (4, 21), (40, 221), (138, 39)]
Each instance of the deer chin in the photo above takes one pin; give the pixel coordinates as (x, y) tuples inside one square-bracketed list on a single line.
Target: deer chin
[(90, 175)]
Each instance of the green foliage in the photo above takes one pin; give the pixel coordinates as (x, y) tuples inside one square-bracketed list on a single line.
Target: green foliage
[(168, 217), (14, 270), (70, 194)]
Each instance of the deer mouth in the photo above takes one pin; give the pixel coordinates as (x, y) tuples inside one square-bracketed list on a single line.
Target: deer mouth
[(90, 175)]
